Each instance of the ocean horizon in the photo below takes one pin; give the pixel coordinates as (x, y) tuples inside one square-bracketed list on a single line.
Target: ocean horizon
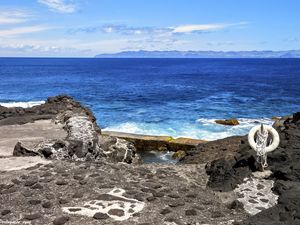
[(175, 97)]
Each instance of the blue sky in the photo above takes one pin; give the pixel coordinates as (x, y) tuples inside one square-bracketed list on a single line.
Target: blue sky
[(88, 27)]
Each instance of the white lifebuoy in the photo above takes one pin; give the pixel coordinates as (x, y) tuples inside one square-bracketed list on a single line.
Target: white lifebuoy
[(271, 130)]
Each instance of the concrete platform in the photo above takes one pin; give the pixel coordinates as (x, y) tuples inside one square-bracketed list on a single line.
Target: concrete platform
[(30, 132), (19, 163), (37, 131), (156, 143)]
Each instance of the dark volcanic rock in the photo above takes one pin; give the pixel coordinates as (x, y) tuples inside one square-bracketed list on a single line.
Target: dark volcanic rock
[(220, 149), (165, 211), (5, 212), (100, 216), (80, 125), (47, 205), (60, 220), (34, 201), (284, 162), (33, 216), (83, 141), (191, 212), (21, 150), (78, 195), (31, 181), (49, 110), (125, 191), (116, 212), (61, 182), (226, 173)]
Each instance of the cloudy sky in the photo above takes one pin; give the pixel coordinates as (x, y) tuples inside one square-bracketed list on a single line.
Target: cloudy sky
[(88, 27)]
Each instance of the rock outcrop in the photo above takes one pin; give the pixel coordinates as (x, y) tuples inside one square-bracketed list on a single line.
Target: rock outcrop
[(220, 159), (84, 141), (229, 170), (179, 155), (229, 122), (118, 150), (52, 107), (284, 163)]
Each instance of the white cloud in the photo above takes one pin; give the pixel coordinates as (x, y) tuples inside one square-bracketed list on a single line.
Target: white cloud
[(197, 27), (157, 31), (204, 27), (62, 6), (59, 47), (22, 30), (38, 50), (13, 16)]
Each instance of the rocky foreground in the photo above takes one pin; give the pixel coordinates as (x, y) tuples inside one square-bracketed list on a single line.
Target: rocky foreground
[(58, 168), (231, 161)]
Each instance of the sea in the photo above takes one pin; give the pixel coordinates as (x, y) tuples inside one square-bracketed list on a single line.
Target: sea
[(175, 97)]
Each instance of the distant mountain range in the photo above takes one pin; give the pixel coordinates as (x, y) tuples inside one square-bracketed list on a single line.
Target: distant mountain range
[(203, 54)]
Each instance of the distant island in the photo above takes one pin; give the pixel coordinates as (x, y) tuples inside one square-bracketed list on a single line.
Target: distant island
[(202, 54)]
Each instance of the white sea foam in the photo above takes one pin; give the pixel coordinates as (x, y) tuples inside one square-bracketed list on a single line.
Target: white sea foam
[(125, 127), (21, 104), (242, 121), (203, 128)]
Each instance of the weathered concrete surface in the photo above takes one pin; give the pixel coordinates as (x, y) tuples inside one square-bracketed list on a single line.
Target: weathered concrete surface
[(19, 163), (156, 143), (30, 132), (84, 193)]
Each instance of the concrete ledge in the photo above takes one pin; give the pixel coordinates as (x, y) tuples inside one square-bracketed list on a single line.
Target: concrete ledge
[(20, 163), (156, 143), (30, 132)]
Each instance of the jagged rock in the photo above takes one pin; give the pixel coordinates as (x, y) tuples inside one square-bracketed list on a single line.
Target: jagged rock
[(223, 148), (82, 137), (50, 110), (226, 173), (82, 141), (22, 150), (47, 149), (33, 216), (179, 155), (5, 212), (229, 122), (118, 150)]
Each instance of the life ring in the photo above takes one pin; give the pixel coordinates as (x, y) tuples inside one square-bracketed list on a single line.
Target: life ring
[(271, 130)]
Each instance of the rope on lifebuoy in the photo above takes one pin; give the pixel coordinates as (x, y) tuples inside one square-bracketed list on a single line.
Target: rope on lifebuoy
[(271, 130), (259, 144)]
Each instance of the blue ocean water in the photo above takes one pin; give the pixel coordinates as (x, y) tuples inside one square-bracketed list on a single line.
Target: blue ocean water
[(177, 97)]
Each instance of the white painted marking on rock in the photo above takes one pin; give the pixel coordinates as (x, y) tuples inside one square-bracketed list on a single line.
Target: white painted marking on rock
[(257, 195), (127, 205)]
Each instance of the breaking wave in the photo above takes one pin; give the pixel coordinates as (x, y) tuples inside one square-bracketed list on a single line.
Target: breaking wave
[(21, 104), (203, 128)]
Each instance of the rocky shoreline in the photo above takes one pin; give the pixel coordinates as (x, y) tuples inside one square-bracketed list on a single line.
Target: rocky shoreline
[(238, 162), (58, 167)]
